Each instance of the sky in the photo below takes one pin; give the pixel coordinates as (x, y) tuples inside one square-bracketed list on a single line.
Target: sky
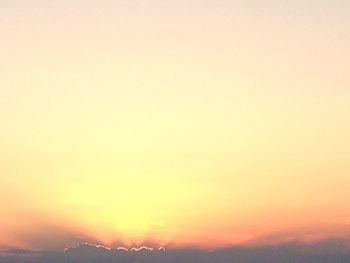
[(177, 123)]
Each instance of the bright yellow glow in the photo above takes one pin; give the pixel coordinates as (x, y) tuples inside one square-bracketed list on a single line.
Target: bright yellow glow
[(187, 123)]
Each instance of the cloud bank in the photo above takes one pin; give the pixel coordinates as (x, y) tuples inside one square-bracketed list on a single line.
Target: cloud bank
[(324, 251)]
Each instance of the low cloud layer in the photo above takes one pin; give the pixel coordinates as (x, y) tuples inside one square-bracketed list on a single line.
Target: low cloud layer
[(325, 251)]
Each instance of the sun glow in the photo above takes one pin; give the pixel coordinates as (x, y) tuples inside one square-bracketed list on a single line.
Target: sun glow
[(173, 123)]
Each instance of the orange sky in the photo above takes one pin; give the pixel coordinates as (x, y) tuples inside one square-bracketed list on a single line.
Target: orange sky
[(193, 123)]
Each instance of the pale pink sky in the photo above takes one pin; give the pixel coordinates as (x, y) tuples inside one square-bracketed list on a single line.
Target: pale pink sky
[(177, 122)]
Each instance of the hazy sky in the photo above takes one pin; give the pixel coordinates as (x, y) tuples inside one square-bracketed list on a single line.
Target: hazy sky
[(182, 123)]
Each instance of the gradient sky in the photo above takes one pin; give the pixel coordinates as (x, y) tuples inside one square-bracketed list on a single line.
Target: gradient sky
[(178, 123)]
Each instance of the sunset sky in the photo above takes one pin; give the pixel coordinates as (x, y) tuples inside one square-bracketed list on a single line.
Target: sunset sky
[(174, 123)]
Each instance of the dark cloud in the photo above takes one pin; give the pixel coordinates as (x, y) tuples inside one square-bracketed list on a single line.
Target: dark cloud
[(325, 251), (21, 251), (50, 236), (310, 235)]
